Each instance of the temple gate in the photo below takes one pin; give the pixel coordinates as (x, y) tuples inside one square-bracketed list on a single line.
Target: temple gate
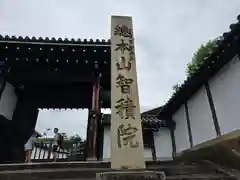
[(50, 73)]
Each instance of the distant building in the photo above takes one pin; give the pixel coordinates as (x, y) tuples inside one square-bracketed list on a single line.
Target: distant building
[(156, 138)]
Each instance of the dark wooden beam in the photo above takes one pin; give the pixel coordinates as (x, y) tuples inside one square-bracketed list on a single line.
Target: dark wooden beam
[(2, 85), (153, 148), (43, 77), (173, 142), (100, 141), (90, 146), (188, 125), (213, 110), (94, 117)]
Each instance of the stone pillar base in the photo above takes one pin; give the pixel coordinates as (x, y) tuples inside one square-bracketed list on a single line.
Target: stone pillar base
[(131, 175)]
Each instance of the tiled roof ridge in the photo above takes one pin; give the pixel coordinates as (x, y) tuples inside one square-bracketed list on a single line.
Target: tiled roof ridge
[(53, 40), (148, 122), (222, 44), (152, 112)]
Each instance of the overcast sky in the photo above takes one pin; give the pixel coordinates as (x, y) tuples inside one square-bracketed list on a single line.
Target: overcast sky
[(167, 34)]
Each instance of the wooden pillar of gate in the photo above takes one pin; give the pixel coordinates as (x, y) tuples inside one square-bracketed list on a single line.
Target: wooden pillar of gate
[(5, 126), (94, 115)]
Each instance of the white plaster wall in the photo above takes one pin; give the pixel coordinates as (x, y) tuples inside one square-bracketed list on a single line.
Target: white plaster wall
[(8, 101), (225, 88), (181, 131), (200, 115), (163, 144), (106, 144), (148, 154), (107, 147)]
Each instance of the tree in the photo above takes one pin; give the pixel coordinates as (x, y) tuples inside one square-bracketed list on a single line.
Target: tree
[(175, 87), (198, 59), (200, 56), (76, 138)]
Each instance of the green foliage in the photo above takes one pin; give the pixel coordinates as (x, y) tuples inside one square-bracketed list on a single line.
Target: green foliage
[(44, 140), (67, 144), (198, 59), (76, 138), (200, 56)]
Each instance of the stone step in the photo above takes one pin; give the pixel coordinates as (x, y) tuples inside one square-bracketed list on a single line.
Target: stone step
[(55, 165), (200, 176), (85, 164), (180, 177), (177, 177), (89, 164), (191, 177), (168, 169), (72, 172)]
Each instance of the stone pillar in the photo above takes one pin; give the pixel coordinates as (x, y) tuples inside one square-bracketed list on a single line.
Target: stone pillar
[(127, 149), (94, 116)]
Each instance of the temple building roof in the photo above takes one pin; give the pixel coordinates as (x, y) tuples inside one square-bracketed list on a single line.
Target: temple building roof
[(64, 70), (148, 122), (53, 40), (154, 111)]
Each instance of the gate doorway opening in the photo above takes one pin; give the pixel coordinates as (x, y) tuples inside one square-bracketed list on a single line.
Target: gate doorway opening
[(72, 125)]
